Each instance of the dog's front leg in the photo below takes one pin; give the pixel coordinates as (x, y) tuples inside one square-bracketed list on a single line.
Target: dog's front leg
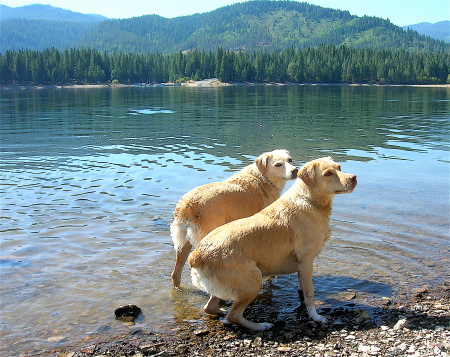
[(305, 280), (300, 289)]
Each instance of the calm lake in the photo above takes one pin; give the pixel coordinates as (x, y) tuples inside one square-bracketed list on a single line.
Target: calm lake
[(90, 178)]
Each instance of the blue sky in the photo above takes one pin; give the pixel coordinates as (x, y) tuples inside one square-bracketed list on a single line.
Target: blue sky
[(399, 12)]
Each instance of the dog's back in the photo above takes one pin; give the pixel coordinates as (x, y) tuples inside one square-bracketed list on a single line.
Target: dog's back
[(231, 262), (209, 206), (212, 205)]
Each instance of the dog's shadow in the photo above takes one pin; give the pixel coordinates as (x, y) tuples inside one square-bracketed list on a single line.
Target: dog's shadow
[(339, 297), (346, 301)]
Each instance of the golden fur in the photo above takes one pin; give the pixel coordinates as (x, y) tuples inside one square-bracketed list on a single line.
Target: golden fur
[(231, 262), (208, 206)]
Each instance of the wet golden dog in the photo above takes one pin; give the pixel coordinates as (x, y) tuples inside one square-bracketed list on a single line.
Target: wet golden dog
[(209, 206), (231, 262)]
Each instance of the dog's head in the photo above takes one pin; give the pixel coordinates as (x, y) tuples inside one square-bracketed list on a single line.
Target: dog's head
[(276, 165), (325, 176)]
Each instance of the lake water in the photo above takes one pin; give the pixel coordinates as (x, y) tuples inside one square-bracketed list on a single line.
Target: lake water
[(90, 178)]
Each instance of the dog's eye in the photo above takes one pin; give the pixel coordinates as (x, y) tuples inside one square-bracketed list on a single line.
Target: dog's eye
[(339, 168), (328, 173), (289, 160), (278, 164)]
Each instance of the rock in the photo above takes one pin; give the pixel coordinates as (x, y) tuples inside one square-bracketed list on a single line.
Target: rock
[(364, 348), (363, 317), (162, 354), (284, 349), (420, 308), (127, 313), (56, 338), (88, 349), (401, 324), (150, 349), (258, 342), (348, 296), (201, 332), (421, 290)]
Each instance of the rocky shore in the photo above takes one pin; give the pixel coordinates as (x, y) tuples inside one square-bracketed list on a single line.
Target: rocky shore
[(210, 82), (417, 327)]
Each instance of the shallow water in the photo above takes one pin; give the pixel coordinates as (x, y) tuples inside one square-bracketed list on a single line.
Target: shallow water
[(90, 178)]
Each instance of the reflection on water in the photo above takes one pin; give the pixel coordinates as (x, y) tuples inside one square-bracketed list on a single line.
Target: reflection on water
[(90, 178)]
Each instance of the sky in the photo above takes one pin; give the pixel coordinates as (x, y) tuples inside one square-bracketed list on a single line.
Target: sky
[(399, 12)]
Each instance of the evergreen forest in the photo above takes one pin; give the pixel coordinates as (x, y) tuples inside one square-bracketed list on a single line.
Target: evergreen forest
[(320, 64), (248, 26)]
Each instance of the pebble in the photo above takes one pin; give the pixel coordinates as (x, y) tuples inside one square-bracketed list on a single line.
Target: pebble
[(401, 324), (201, 332), (284, 349), (420, 328), (56, 338)]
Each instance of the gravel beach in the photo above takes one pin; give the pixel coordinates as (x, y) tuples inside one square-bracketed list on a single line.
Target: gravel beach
[(419, 326)]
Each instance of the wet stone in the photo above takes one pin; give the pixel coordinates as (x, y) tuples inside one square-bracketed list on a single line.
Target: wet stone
[(127, 313), (201, 332)]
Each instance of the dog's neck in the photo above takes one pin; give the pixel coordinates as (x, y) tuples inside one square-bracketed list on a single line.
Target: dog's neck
[(303, 193), (277, 186)]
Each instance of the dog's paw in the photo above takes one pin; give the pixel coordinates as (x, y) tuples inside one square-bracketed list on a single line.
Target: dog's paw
[(263, 326), (320, 319), (313, 315)]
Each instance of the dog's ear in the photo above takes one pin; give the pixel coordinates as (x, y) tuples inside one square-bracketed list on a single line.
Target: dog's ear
[(261, 162), (308, 174)]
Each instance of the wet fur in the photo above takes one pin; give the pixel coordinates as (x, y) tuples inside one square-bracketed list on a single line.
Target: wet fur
[(208, 206), (231, 262)]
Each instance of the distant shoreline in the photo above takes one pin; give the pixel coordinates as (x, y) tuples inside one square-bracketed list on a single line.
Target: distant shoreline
[(211, 82)]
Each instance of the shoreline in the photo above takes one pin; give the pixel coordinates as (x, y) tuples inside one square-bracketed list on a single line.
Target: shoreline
[(419, 326), (211, 82)]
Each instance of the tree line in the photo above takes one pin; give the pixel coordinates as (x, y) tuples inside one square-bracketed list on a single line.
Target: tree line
[(321, 64)]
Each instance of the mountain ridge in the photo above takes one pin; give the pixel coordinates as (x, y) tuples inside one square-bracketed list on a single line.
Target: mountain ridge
[(46, 12), (439, 30), (250, 26)]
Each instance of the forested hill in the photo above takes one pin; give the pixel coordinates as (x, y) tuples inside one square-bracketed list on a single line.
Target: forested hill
[(38, 27), (46, 12), (439, 30), (249, 26)]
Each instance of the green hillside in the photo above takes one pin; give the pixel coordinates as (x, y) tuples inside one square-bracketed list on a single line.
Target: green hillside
[(45, 12), (254, 25), (250, 26), (439, 30), (33, 34)]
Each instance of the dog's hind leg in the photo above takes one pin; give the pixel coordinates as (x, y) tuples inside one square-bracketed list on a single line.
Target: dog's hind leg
[(181, 258), (212, 306), (247, 293)]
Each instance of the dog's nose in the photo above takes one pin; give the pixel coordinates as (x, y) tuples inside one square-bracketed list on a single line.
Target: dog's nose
[(353, 179), (295, 171)]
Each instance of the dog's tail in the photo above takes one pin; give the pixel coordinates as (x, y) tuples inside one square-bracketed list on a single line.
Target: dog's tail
[(184, 227), (178, 232), (183, 231)]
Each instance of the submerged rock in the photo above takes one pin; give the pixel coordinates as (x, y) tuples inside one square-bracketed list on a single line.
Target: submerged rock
[(127, 313)]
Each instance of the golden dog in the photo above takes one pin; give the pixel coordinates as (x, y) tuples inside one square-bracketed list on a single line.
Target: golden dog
[(209, 206), (231, 262)]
